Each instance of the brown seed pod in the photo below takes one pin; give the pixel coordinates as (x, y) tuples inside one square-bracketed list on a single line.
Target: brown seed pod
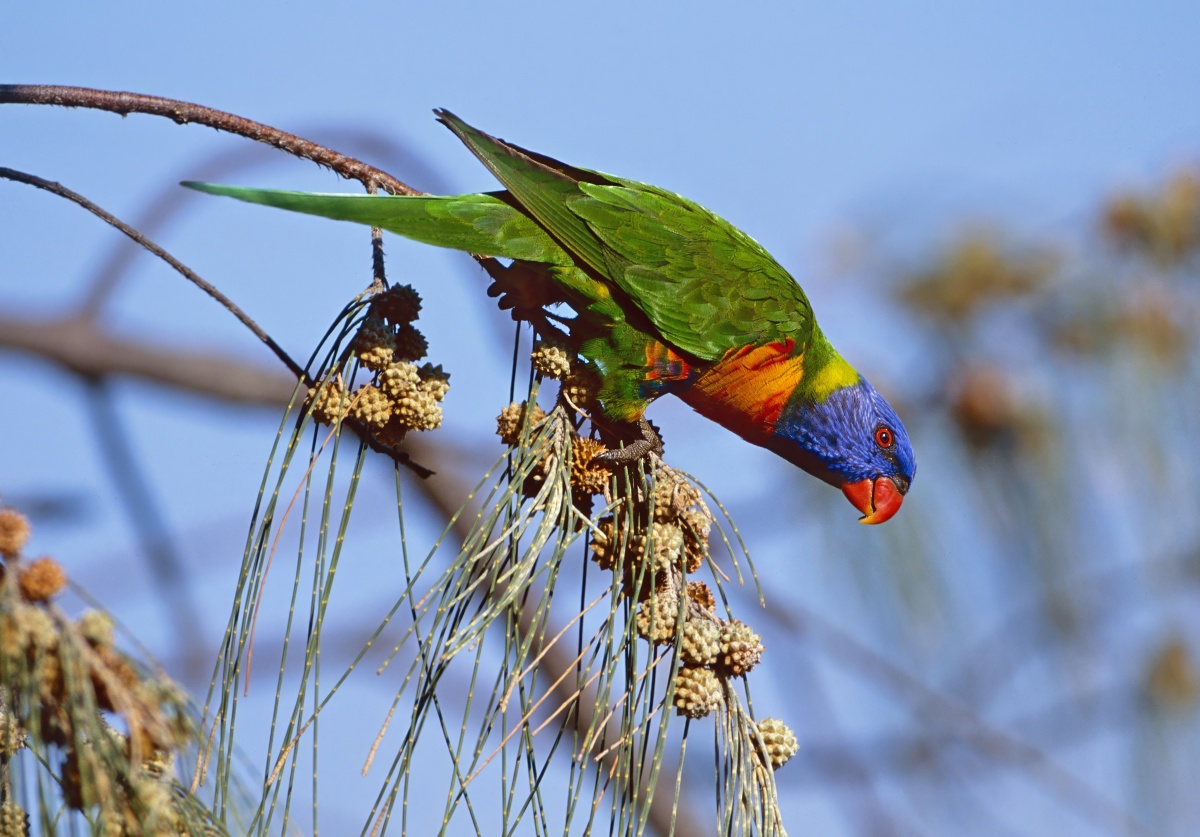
[(701, 642), (605, 543), (741, 648), (582, 387), (392, 434), (399, 304), (701, 596), (509, 422), (697, 691), (41, 579), (780, 740), (587, 478), (14, 533), (410, 343), (695, 523)]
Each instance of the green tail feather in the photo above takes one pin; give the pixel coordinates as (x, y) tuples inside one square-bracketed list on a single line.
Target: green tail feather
[(483, 224)]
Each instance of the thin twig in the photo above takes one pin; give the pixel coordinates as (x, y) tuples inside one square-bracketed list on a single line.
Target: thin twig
[(378, 265), (169, 200), (184, 270), (183, 113)]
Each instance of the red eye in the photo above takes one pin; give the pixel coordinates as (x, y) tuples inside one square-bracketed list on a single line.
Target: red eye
[(883, 437)]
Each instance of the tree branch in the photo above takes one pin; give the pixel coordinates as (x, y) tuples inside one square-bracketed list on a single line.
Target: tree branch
[(94, 353), (183, 113), (184, 270)]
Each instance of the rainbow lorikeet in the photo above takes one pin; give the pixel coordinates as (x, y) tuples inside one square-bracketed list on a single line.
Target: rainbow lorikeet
[(667, 298)]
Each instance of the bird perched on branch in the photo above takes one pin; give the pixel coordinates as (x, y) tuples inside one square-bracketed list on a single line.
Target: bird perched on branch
[(666, 297)]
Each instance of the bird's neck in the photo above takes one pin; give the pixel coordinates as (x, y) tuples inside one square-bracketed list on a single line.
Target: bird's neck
[(802, 429), (825, 372)]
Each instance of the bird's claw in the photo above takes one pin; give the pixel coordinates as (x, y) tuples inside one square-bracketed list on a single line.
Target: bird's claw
[(649, 443), (519, 287)]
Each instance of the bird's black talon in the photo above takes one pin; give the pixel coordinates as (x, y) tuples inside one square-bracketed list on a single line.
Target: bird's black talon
[(650, 442), (651, 435), (627, 455)]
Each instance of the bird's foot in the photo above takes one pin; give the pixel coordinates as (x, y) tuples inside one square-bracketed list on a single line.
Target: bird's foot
[(648, 442), (523, 288)]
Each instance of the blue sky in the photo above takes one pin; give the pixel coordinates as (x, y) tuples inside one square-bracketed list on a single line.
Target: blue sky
[(797, 121)]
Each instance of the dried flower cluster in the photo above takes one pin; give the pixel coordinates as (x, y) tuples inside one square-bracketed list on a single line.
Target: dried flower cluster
[(652, 544), (588, 476), (581, 388), (654, 559), (14, 533), (579, 381), (674, 543), (779, 739), (63, 681), (1172, 680), (978, 270), (552, 360), (517, 419), (402, 395), (698, 692), (1164, 225)]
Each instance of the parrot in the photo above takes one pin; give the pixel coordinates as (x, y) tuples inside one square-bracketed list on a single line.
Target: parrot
[(666, 298)]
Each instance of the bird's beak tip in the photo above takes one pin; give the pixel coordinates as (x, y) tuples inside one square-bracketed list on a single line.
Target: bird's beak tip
[(878, 499)]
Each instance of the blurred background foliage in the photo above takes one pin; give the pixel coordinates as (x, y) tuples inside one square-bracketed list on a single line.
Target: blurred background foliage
[(1057, 419)]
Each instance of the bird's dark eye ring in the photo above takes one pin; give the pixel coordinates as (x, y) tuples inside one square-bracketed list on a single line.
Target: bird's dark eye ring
[(884, 437)]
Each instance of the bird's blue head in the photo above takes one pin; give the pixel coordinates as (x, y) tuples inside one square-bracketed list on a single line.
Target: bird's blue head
[(854, 440)]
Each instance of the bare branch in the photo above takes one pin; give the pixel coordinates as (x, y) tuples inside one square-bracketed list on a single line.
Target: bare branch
[(184, 270), (94, 353), (183, 113), (82, 348)]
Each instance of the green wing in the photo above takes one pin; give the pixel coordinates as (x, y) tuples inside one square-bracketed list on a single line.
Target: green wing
[(482, 224), (704, 284), (707, 286)]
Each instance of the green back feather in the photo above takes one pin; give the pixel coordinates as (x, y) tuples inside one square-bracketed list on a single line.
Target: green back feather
[(704, 284)]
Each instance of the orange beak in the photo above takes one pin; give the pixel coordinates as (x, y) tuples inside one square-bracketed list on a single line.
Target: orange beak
[(877, 499)]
